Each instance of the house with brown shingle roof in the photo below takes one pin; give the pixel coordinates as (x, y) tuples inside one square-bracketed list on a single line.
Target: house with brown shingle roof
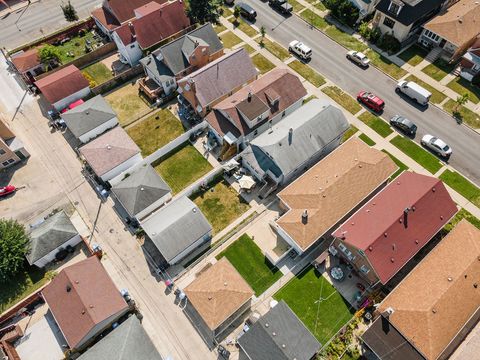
[(152, 24), (254, 108), (435, 306), (454, 29), (84, 302), (217, 297), (27, 64), (63, 87), (392, 227), (111, 153), (330, 191)]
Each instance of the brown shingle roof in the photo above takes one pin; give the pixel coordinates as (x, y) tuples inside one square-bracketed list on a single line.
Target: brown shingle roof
[(218, 292), (109, 150), (106, 18), (62, 83), (80, 297), (433, 303), (123, 10), (459, 23), (331, 189), (26, 60)]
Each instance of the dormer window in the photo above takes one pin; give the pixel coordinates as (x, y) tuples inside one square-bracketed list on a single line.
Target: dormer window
[(394, 8)]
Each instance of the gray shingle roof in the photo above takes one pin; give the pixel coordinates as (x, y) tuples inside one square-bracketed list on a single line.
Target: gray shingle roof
[(128, 341), (176, 226), (50, 235), (292, 340), (314, 126), (175, 52), (88, 115), (140, 189)]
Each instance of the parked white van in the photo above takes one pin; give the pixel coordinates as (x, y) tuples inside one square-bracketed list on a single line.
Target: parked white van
[(414, 91), (300, 49)]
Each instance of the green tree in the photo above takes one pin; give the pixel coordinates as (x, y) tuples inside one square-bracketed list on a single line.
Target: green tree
[(203, 11), (343, 10), (365, 31), (263, 31), (48, 53), (461, 100), (236, 13), (14, 245), (69, 11)]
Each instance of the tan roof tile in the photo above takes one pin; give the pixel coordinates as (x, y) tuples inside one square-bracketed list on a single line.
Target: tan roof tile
[(26, 60)]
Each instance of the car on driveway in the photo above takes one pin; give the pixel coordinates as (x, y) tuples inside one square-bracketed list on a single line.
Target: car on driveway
[(437, 145), (358, 58), (300, 49), (405, 125), (371, 101)]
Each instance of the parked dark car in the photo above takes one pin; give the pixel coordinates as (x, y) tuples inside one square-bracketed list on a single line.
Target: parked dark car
[(405, 125), (247, 11)]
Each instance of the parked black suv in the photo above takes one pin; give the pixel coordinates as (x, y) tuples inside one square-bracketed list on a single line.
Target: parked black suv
[(247, 11), (404, 124)]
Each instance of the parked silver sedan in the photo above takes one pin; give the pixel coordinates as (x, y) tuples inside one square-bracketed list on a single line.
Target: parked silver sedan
[(437, 145), (358, 58)]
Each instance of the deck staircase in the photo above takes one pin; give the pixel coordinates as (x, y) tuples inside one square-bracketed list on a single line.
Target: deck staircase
[(434, 54)]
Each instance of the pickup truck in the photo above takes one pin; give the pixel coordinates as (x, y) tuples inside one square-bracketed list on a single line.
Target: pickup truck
[(281, 5)]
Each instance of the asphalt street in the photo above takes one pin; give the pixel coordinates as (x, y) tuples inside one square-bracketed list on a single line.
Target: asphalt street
[(329, 60)]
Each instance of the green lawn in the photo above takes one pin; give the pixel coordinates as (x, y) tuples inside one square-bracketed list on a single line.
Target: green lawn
[(462, 86), (243, 26), (219, 28), (250, 262), (249, 49), (276, 49), (401, 166), (311, 97), (313, 19), (349, 133), (438, 70), (465, 115), (461, 185), (74, 48), (414, 55), (366, 139), (127, 103), (297, 7), (98, 72), (229, 39), (155, 131), (421, 156), (376, 123), (221, 205), (316, 302), (462, 214), (319, 5), (23, 284), (343, 99), (227, 11), (307, 73), (345, 39), (385, 65), (437, 96), (262, 63), (182, 167)]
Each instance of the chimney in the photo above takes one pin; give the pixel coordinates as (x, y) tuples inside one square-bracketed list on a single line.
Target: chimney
[(290, 136), (405, 217), (305, 217), (249, 97)]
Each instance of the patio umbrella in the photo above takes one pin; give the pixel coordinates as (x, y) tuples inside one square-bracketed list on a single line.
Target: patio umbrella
[(246, 182), (230, 165)]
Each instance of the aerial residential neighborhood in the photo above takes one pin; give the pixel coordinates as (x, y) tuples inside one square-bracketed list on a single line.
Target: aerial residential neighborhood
[(240, 179)]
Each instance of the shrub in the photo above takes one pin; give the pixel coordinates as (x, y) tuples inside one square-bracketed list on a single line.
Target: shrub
[(343, 10), (389, 43), (476, 79), (375, 35), (14, 245), (48, 53), (365, 31)]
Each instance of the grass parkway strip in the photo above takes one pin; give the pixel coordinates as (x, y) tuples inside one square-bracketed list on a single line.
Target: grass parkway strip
[(421, 156), (461, 185)]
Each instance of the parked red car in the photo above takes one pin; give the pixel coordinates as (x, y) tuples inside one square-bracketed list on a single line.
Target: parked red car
[(371, 101), (5, 190)]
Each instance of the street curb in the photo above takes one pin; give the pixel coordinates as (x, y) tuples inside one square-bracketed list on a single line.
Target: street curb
[(17, 7)]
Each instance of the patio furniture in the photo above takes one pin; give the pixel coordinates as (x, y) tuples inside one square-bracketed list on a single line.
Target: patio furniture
[(337, 273), (246, 182)]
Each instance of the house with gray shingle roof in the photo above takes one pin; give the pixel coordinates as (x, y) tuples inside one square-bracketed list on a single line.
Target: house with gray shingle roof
[(90, 119), (182, 56), (47, 238), (140, 191), (177, 230), (126, 342)]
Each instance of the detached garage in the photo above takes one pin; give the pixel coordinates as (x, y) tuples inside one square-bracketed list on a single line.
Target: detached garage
[(48, 238)]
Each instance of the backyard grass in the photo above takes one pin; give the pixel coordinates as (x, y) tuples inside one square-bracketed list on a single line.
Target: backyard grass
[(414, 55), (462, 86), (221, 205), (262, 63), (297, 7), (249, 49), (385, 65), (182, 167), (155, 131), (437, 96), (343, 99), (127, 103), (376, 123), (275, 49), (421, 156), (438, 70), (249, 261), (307, 73), (462, 214), (463, 114), (75, 47), (229, 39), (311, 97), (316, 302), (243, 26), (349, 133), (313, 19), (23, 284), (345, 39), (219, 28), (366, 139), (401, 166), (461, 185), (98, 72)]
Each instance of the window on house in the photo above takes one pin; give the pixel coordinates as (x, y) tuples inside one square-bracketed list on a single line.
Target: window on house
[(10, 161), (361, 252), (389, 23), (2, 151), (255, 133), (394, 8), (364, 269), (431, 35)]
